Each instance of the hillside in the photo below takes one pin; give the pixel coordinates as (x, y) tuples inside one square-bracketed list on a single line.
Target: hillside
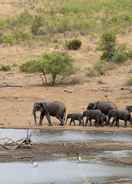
[(60, 21)]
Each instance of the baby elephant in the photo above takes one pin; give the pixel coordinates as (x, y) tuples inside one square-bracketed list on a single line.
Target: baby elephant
[(129, 108), (96, 115), (75, 117), (119, 115)]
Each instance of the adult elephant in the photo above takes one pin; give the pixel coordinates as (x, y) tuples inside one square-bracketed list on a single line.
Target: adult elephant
[(103, 106), (56, 109)]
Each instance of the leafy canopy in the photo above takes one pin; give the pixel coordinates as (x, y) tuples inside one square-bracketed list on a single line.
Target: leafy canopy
[(55, 64)]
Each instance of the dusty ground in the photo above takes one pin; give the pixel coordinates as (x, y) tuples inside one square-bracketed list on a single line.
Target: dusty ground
[(51, 151), (19, 91)]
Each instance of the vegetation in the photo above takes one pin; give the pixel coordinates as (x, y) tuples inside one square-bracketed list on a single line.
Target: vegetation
[(74, 44), (5, 68), (86, 16), (101, 67), (111, 51), (54, 64), (129, 82)]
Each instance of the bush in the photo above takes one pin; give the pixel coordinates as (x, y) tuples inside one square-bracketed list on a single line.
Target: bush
[(16, 37), (111, 51), (36, 25), (22, 36), (8, 39), (101, 67), (55, 64), (31, 66), (129, 82), (120, 55), (108, 46), (129, 54), (74, 44), (5, 68)]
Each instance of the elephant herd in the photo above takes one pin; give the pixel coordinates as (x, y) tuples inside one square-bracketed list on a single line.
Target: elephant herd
[(99, 113)]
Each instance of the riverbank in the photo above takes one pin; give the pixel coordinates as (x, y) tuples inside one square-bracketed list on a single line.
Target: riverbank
[(71, 128)]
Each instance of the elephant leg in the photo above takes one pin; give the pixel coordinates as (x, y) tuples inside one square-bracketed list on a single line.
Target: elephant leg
[(108, 121), (83, 122), (90, 122), (48, 119), (66, 120), (125, 125), (97, 122), (112, 123), (117, 122), (86, 122), (62, 119), (70, 121), (41, 118), (74, 122), (80, 122)]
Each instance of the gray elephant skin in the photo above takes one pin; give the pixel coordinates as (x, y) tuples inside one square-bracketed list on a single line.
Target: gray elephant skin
[(103, 106), (56, 109), (99, 117), (75, 117), (119, 115)]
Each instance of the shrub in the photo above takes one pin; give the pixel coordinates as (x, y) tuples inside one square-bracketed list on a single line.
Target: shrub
[(129, 54), (36, 25), (22, 36), (31, 66), (55, 64), (129, 82), (111, 51), (5, 68), (74, 44), (101, 67), (8, 39), (120, 55), (108, 46)]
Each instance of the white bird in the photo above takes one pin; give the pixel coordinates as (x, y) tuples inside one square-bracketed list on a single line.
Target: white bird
[(35, 164)]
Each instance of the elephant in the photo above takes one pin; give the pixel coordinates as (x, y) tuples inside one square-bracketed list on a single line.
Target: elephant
[(96, 115), (119, 115), (75, 116), (56, 109), (129, 108), (103, 106)]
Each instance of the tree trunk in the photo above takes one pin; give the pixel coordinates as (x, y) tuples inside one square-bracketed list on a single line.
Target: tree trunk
[(53, 79), (45, 78), (43, 83)]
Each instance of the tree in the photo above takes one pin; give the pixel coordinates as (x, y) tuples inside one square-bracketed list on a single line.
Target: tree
[(54, 64)]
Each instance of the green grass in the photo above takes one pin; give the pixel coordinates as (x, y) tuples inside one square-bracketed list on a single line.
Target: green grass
[(87, 16)]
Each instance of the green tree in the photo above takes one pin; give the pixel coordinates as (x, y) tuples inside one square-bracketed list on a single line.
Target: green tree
[(55, 64)]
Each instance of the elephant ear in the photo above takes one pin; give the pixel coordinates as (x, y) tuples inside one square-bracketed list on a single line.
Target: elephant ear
[(91, 106), (44, 107)]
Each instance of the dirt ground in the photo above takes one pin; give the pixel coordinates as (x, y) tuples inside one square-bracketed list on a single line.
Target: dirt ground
[(19, 91)]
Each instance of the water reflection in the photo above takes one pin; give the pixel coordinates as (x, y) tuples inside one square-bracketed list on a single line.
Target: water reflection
[(60, 171), (39, 136)]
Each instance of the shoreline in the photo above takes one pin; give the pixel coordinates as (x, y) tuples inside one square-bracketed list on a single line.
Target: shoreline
[(71, 128)]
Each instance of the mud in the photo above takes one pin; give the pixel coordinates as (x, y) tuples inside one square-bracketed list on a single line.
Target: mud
[(53, 151)]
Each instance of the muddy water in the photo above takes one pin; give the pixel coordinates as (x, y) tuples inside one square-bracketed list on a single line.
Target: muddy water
[(38, 136), (61, 171)]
